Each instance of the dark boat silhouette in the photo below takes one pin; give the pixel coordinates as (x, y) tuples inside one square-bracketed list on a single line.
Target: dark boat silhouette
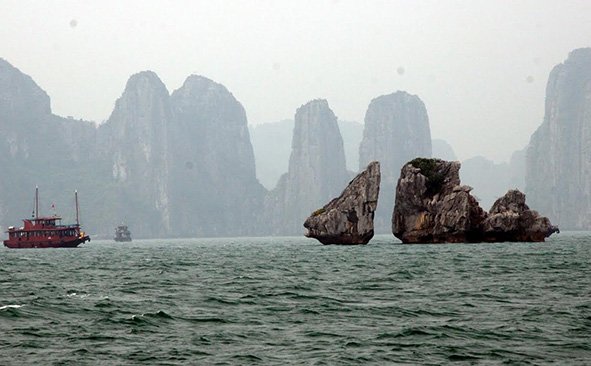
[(122, 233), (46, 231)]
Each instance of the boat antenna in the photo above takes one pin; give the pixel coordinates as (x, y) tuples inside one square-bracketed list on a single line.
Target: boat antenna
[(77, 210), (36, 202)]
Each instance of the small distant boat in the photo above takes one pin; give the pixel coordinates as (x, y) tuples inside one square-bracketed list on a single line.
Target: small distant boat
[(122, 233), (46, 231)]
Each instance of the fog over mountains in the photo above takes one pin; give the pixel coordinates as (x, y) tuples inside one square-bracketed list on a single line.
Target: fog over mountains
[(183, 164)]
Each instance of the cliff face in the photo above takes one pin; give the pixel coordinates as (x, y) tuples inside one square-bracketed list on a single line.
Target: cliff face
[(214, 190), (38, 148), (396, 131), (136, 142), (558, 173), (316, 172), (179, 165)]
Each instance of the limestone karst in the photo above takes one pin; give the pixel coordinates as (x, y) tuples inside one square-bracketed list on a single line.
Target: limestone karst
[(179, 165), (316, 172), (37, 147), (348, 218), (213, 187), (433, 207), (136, 143), (558, 173), (396, 130)]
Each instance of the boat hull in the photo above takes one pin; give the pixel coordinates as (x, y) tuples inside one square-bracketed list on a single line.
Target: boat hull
[(68, 243)]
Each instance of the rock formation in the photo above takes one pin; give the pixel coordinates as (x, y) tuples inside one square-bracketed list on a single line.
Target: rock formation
[(272, 146), (316, 170), (179, 165), (510, 219), (432, 207), (137, 144), (213, 186), (396, 130), (348, 219), (39, 148), (558, 176)]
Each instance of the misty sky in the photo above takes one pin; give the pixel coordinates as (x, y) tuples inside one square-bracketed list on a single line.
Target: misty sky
[(480, 66)]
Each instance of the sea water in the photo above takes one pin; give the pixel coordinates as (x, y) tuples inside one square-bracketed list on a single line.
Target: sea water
[(285, 301)]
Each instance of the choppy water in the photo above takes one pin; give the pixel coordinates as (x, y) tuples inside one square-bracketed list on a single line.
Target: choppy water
[(292, 301)]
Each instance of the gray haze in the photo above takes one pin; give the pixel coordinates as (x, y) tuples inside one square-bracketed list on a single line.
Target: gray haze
[(479, 66)]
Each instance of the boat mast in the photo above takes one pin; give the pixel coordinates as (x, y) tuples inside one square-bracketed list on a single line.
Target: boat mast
[(36, 202), (77, 210)]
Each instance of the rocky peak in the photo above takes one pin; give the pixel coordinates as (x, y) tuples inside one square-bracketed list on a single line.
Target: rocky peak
[(21, 99), (212, 157), (316, 171), (136, 141), (317, 156), (396, 131)]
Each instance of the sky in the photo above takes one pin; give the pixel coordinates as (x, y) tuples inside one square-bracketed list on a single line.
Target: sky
[(480, 67)]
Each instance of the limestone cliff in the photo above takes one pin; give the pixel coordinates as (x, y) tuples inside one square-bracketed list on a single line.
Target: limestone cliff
[(316, 172), (348, 219), (214, 190), (396, 131), (558, 176), (135, 139), (38, 148)]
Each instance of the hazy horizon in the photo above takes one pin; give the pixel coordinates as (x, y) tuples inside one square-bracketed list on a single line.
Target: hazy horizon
[(480, 67)]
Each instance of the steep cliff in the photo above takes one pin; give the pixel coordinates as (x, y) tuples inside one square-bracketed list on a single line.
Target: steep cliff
[(272, 146), (135, 139), (316, 172), (396, 130), (213, 186), (558, 175), (38, 148)]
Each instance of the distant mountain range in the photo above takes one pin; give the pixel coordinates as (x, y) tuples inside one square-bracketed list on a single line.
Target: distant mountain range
[(182, 164)]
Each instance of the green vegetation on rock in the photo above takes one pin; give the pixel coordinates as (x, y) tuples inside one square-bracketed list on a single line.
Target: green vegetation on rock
[(428, 168)]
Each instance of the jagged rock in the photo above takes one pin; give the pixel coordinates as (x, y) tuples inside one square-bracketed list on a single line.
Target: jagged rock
[(316, 172), (348, 219), (510, 219), (432, 207), (558, 175), (396, 131)]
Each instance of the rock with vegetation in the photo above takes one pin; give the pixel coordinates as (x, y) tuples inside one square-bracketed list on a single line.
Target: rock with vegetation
[(433, 207), (348, 219)]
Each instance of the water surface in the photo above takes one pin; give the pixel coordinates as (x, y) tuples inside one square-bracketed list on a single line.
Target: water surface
[(293, 301)]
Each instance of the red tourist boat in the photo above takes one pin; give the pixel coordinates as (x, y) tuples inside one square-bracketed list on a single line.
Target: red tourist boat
[(46, 231)]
